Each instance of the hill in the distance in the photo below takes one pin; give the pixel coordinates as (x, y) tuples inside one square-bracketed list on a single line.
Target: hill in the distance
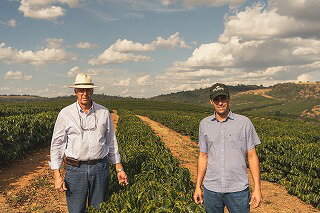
[(284, 91), (201, 96)]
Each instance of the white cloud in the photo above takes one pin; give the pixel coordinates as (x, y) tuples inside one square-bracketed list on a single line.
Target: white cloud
[(168, 2), (180, 87), (300, 10), (145, 80), (71, 3), (257, 23), (122, 83), (44, 56), (207, 3), (94, 72), (17, 76), (304, 77), (4, 88), (54, 42), (74, 71), (10, 23), (45, 9), (130, 46), (126, 93), (120, 51), (109, 56), (86, 45)]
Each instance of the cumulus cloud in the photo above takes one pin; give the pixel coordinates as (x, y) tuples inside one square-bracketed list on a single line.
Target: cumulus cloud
[(122, 83), (45, 9), (265, 44), (4, 88), (77, 70), (257, 23), (126, 93), (17, 76), (145, 80), (50, 54), (86, 45), (54, 42), (10, 23), (207, 3), (304, 78), (121, 50)]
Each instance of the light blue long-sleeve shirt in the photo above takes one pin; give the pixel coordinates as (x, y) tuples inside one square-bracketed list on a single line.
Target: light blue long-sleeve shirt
[(83, 136)]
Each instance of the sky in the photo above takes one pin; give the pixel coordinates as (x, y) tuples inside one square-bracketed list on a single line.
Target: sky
[(143, 48)]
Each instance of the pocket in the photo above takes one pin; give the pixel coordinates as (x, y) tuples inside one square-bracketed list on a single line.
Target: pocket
[(70, 168), (103, 164), (236, 141), (241, 199)]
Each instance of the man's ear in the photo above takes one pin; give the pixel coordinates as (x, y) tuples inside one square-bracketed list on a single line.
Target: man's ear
[(211, 101)]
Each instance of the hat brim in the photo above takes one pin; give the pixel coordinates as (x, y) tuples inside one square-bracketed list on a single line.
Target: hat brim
[(220, 93), (83, 86)]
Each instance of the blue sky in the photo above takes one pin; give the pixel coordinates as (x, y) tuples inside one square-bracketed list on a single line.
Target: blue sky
[(143, 48)]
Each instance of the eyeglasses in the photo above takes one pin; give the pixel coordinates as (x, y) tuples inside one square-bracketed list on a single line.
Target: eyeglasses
[(85, 127)]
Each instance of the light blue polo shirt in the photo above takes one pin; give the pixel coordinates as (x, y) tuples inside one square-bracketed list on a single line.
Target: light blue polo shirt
[(226, 144)]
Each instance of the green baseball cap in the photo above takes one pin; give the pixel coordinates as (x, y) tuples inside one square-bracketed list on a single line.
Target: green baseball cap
[(219, 89)]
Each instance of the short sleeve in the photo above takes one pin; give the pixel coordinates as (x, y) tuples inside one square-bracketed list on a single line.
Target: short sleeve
[(252, 136), (203, 145)]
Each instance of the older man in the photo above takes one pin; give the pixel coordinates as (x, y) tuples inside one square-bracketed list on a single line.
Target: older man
[(225, 139), (84, 134)]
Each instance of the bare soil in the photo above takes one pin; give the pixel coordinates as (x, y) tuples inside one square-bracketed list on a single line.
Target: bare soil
[(275, 197), (262, 92), (313, 113), (27, 185)]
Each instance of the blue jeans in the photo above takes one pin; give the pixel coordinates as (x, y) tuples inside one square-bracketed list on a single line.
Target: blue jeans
[(86, 182), (236, 202)]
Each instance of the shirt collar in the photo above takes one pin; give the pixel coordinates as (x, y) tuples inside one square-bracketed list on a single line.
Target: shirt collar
[(230, 116), (80, 109)]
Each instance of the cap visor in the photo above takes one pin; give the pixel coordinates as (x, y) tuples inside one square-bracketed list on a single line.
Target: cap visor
[(221, 93)]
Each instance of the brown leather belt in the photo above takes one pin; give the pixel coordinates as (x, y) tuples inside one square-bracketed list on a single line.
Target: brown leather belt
[(77, 163)]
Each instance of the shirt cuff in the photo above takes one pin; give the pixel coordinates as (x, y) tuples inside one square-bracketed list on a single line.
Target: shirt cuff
[(55, 165), (114, 159)]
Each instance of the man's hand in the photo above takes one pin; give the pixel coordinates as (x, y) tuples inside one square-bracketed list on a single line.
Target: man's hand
[(122, 178), (197, 196), (60, 184), (256, 198)]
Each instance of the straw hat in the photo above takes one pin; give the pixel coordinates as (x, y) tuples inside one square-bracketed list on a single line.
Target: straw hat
[(83, 80)]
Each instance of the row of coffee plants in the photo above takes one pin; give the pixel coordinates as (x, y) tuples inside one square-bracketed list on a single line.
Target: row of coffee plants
[(289, 153), (22, 133), (156, 181), (28, 108)]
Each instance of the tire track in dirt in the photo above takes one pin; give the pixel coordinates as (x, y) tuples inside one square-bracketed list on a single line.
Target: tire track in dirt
[(275, 197), (27, 185)]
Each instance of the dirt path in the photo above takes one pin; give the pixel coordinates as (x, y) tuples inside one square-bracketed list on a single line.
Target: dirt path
[(27, 185), (275, 197)]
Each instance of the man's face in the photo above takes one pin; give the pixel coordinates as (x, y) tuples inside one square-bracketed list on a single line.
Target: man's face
[(84, 96), (221, 104)]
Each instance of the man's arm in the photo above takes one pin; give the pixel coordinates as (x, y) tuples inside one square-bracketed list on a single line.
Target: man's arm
[(58, 144), (253, 160), (202, 167), (113, 154)]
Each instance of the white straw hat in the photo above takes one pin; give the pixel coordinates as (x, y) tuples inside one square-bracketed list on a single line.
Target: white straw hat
[(83, 80)]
